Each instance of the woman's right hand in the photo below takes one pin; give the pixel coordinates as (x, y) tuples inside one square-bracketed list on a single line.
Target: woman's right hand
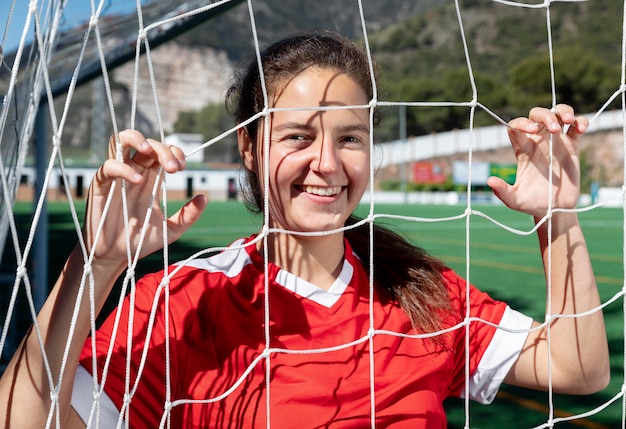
[(139, 169), (30, 377)]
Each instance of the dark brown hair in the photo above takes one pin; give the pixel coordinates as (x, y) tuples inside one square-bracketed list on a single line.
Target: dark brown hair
[(411, 276)]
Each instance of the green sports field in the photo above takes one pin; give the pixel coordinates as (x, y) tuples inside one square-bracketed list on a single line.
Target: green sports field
[(504, 264)]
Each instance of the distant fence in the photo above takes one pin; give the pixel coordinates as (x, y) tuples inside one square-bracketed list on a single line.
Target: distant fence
[(479, 139)]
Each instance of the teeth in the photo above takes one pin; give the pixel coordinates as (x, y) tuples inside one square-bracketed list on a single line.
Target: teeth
[(325, 192)]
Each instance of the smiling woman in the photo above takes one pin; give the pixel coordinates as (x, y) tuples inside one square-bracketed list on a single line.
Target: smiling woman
[(294, 326), (318, 160)]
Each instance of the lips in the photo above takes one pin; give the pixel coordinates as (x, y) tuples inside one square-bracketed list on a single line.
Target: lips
[(322, 191)]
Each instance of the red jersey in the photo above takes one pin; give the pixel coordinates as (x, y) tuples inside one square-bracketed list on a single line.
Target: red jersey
[(313, 362)]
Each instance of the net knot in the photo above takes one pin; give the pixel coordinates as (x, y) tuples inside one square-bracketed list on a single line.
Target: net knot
[(93, 20), (548, 318), (56, 140), (130, 273), (32, 7), (87, 268), (54, 396), (21, 271), (127, 398)]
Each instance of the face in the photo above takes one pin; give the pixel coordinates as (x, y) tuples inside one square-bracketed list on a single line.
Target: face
[(318, 160)]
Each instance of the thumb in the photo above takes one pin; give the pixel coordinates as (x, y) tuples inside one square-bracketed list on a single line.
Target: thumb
[(184, 218), (501, 189)]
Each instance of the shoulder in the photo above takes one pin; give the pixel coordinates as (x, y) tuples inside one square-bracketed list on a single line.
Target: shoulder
[(228, 261), (459, 287), (226, 265), (480, 303)]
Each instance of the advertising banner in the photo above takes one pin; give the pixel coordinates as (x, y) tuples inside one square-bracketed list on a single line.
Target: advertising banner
[(428, 172)]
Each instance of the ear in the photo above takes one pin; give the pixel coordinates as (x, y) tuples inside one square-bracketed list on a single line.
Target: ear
[(246, 149)]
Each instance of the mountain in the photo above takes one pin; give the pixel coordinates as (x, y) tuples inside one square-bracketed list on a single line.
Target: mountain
[(275, 19), (427, 51), (193, 69)]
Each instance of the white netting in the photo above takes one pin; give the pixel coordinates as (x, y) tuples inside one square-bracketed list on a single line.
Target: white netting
[(30, 84)]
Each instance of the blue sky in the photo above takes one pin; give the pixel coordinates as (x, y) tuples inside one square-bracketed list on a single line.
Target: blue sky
[(16, 24), (76, 11)]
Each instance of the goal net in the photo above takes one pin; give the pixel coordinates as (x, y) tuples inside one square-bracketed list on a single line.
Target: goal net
[(61, 83)]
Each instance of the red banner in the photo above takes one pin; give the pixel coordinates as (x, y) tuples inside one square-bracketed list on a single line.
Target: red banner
[(428, 172)]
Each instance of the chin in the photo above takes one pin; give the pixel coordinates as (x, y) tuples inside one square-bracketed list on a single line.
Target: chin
[(322, 227), (309, 221)]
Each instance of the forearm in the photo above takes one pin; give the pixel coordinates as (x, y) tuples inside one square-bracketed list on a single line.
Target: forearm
[(25, 388), (579, 351)]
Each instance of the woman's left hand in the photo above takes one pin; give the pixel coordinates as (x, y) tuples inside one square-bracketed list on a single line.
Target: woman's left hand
[(530, 138)]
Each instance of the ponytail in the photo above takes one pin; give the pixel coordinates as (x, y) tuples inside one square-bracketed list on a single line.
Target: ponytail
[(412, 277)]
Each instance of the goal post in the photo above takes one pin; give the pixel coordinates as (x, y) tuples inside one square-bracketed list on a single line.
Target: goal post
[(162, 22)]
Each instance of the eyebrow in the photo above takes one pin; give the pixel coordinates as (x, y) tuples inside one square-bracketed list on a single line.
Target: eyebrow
[(299, 126)]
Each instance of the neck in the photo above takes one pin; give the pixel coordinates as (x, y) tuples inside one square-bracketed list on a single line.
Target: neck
[(317, 260)]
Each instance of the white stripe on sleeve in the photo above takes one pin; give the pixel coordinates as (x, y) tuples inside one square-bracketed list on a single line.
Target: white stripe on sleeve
[(501, 354), (83, 401)]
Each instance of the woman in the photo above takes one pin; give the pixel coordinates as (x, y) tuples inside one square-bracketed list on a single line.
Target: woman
[(207, 355)]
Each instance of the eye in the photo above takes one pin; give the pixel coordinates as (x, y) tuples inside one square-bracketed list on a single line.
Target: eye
[(352, 140), (297, 140)]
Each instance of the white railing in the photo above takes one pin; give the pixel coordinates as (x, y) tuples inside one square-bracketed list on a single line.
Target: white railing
[(478, 139)]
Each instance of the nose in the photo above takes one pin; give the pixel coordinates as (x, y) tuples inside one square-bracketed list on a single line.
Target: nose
[(327, 157)]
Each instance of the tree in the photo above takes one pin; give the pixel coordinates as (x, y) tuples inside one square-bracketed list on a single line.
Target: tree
[(583, 80), (211, 121)]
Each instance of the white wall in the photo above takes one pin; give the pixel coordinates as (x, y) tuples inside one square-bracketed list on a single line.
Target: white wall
[(212, 182)]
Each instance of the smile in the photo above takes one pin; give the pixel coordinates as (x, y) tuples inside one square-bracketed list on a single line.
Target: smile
[(322, 191)]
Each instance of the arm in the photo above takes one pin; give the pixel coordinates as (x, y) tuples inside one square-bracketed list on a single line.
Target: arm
[(579, 351), (24, 387)]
